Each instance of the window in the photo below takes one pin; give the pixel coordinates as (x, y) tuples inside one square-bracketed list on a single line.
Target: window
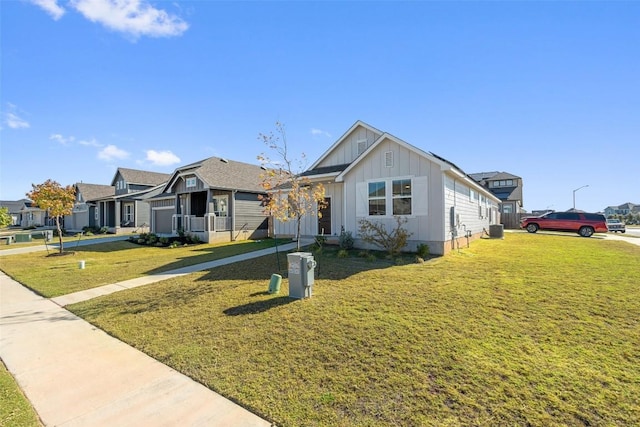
[(362, 146), (388, 159), (502, 183), (472, 195), (401, 195), (191, 182), (377, 198), (507, 209), (128, 213), (220, 205)]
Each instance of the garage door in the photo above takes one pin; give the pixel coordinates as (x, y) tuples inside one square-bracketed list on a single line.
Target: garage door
[(162, 220)]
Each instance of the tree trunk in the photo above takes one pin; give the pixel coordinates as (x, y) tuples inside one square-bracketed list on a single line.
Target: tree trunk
[(59, 233), (298, 221)]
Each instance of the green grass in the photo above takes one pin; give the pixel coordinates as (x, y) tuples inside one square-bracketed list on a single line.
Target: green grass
[(529, 330), (67, 241), (106, 263), (15, 409)]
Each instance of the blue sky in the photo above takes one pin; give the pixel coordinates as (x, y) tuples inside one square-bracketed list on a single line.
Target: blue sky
[(549, 91)]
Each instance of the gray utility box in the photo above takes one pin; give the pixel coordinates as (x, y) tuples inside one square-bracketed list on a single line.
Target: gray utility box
[(301, 274)]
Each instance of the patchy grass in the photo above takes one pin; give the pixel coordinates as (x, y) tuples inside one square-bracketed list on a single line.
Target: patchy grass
[(529, 330), (15, 409), (111, 262)]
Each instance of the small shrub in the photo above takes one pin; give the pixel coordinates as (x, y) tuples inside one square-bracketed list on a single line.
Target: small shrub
[(423, 251), (392, 241), (345, 240), (164, 241), (342, 253), (104, 230), (419, 260), (363, 254), (371, 257)]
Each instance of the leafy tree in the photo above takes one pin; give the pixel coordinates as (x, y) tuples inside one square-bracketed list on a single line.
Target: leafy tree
[(55, 199), (290, 196), (376, 233), (5, 218)]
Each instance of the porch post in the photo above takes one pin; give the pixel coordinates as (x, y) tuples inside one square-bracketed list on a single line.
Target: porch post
[(233, 215)]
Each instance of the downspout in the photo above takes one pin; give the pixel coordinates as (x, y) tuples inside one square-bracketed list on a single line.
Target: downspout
[(233, 215)]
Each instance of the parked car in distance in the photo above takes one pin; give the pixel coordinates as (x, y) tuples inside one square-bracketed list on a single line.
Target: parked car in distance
[(585, 224), (616, 225)]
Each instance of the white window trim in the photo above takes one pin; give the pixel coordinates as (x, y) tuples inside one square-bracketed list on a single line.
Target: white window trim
[(388, 185)]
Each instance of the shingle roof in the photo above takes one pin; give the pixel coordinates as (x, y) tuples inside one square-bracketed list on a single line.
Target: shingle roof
[(95, 191), (484, 176), (134, 176), (325, 169), (225, 174), (14, 206)]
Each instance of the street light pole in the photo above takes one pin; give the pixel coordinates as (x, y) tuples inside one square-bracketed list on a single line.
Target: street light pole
[(574, 195)]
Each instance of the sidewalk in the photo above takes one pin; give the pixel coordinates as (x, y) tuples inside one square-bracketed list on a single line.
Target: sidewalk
[(76, 375)]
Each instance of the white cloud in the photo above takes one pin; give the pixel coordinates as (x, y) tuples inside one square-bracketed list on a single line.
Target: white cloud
[(51, 7), (12, 119), (162, 158), (15, 122), (61, 139), (90, 143), (111, 152), (133, 17), (318, 132)]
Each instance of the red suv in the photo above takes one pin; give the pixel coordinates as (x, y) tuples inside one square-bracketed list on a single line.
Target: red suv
[(585, 224)]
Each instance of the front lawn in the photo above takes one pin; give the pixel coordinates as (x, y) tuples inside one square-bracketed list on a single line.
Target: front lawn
[(106, 263), (15, 408), (529, 330)]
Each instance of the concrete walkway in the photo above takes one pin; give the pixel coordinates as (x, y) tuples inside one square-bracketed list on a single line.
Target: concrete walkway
[(75, 374)]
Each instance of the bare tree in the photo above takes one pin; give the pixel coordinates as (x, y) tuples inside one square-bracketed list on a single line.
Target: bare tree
[(290, 196)]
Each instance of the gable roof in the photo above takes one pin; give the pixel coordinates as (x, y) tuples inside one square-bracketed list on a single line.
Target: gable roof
[(14, 206), (216, 172), (342, 138), (140, 177), (436, 159), (95, 191)]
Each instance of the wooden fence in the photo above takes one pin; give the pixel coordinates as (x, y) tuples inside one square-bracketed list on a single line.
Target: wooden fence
[(511, 221)]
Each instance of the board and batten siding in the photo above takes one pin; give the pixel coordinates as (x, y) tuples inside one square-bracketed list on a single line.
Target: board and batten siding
[(181, 185), (309, 223), (424, 222), (348, 150)]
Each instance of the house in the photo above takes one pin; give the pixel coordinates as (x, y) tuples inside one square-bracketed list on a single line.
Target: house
[(623, 209), (214, 199), (15, 209), (127, 210), (372, 175), (30, 215), (85, 210), (505, 186)]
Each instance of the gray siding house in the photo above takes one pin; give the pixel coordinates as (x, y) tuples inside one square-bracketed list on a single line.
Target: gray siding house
[(85, 211), (215, 199), (127, 210)]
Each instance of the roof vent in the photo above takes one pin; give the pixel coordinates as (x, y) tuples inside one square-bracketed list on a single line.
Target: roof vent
[(224, 160), (263, 168)]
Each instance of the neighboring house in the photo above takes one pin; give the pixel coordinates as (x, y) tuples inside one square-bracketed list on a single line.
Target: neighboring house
[(370, 174), (15, 209), (505, 186), (32, 216), (85, 211), (215, 199), (623, 209), (127, 210)]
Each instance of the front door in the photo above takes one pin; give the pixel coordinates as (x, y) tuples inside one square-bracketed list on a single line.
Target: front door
[(324, 223)]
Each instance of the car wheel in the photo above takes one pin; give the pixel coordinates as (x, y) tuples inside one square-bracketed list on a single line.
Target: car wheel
[(585, 231), (532, 228), (622, 231)]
